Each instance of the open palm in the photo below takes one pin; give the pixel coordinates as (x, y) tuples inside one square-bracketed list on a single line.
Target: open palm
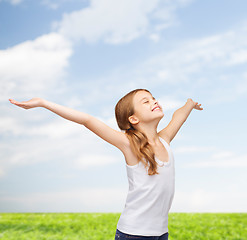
[(34, 102)]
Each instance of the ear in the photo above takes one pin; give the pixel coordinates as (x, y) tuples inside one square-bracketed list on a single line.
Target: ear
[(133, 120)]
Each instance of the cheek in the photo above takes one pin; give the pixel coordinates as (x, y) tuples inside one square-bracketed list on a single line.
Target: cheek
[(142, 113)]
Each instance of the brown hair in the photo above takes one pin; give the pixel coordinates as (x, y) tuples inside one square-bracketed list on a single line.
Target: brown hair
[(138, 140)]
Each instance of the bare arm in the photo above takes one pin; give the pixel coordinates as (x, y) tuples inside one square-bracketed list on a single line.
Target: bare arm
[(112, 136), (67, 113), (178, 119)]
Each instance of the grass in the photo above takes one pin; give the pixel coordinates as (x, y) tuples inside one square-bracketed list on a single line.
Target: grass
[(215, 226), (102, 226)]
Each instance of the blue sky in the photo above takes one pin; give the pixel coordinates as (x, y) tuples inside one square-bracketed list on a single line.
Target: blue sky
[(86, 55)]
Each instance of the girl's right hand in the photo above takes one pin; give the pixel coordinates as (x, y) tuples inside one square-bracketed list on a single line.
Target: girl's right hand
[(32, 103)]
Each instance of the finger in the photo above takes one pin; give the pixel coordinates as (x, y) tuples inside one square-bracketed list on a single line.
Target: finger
[(13, 101), (18, 104)]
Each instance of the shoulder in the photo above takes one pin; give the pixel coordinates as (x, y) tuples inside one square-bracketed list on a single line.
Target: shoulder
[(129, 153), (165, 137)]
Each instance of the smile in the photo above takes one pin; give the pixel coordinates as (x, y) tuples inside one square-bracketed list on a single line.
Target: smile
[(156, 108)]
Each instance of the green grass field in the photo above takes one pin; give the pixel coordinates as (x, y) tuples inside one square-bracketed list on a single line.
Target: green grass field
[(102, 226)]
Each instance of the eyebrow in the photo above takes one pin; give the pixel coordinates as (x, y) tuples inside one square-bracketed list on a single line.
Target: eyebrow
[(143, 98), (146, 98)]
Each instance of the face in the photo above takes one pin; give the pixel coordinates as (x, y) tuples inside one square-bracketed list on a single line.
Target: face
[(146, 107)]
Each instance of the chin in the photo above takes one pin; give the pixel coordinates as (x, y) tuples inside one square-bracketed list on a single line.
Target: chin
[(160, 115)]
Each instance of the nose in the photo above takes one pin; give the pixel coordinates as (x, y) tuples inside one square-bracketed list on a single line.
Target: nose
[(155, 102)]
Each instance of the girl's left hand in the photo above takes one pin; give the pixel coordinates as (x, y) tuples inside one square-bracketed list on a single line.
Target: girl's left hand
[(196, 105)]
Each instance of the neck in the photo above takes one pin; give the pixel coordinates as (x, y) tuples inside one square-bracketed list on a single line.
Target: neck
[(150, 130)]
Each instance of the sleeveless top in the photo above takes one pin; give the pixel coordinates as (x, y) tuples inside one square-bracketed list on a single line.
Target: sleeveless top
[(149, 198)]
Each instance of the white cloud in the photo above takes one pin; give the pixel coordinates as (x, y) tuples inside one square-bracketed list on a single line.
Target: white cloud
[(154, 37), (167, 103), (91, 160), (37, 65), (225, 159), (2, 173), (13, 2), (113, 200), (200, 200), (77, 200), (238, 57), (193, 67), (191, 56), (194, 149), (50, 139), (241, 85), (55, 4), (40, 124), (118, 21), (8, 125), (195, 62), (51, 4), (55, 129)]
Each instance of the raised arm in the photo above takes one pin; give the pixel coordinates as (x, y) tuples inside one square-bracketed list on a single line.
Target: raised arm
[(178, 119), (112, 136)]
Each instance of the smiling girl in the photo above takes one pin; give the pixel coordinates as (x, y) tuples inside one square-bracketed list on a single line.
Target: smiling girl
[(148, 156)]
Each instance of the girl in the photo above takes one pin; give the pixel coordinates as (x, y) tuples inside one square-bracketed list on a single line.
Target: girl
[(148, 155)]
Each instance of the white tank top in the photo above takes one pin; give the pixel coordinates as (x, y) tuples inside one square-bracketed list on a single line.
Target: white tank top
[(149, 198)]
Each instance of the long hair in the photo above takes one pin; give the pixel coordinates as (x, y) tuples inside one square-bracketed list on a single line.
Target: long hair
[(138, 140)]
